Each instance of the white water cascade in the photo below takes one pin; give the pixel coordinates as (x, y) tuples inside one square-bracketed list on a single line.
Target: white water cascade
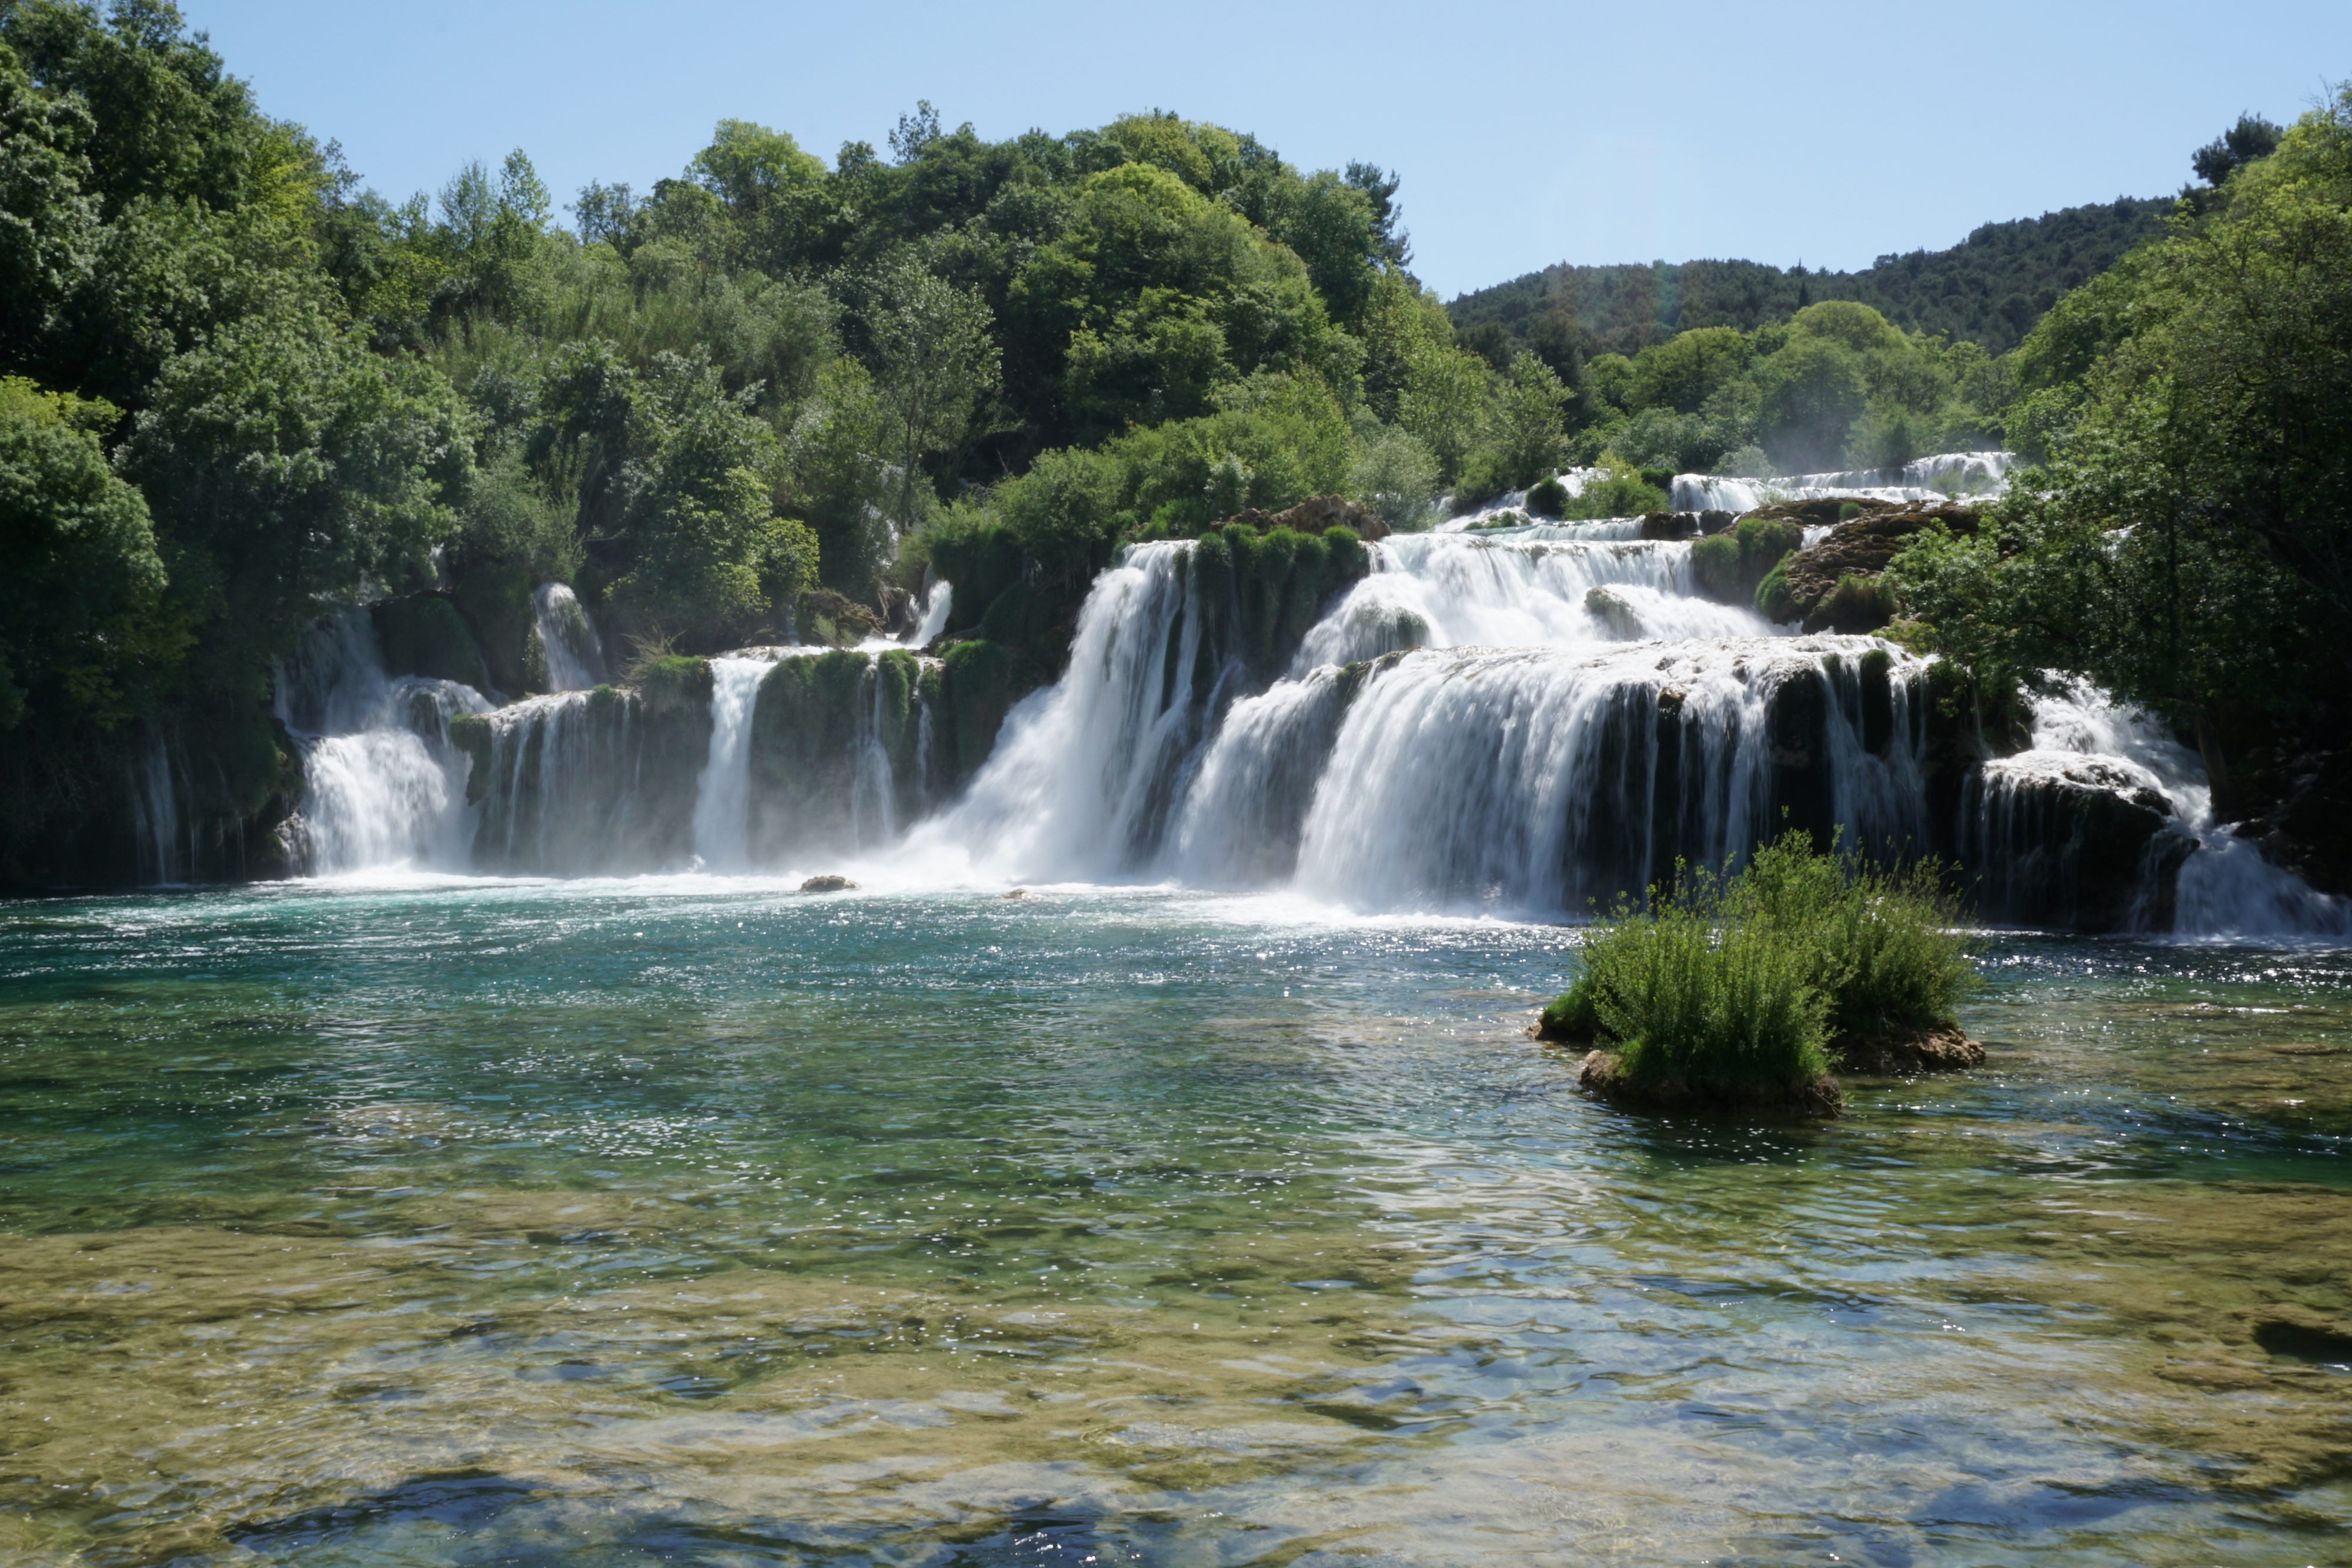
[(569, 649), (383, 785), (2081, 738), (722, 800), (1522, 718), (1947, 475)]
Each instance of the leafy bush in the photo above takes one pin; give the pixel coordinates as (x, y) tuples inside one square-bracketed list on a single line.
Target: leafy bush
[(1619, 492), (1755, 975), (1697, 988), (1548, 497)]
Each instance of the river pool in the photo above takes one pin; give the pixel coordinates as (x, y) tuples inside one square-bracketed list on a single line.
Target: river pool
[(467, 1222)]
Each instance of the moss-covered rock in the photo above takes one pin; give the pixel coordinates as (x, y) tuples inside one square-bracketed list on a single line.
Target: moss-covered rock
[(980, 693), (1603, 1075), (1817, 592), (1730, 567), (826, 617), (676, 682), (423, 635), (983, 563), (494, 600)]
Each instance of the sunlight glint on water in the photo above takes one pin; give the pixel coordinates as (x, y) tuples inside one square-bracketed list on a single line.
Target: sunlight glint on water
[(465, 1224)]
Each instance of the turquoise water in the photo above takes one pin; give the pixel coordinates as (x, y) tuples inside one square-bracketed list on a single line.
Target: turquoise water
[(703, 1221)]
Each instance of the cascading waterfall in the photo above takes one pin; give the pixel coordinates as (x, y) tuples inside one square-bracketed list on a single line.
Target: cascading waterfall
[(1083, 769), (1527, 717), (383, 784), (569, 649), (155, 814), (1983, 474), (722, 801), (2084, 742)]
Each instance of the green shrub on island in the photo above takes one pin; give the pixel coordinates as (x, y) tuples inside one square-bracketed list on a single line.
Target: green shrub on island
[(1746, 986)]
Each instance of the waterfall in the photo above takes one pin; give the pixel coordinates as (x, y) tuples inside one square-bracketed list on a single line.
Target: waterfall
[(156, 813), (1540, 779), (2086, 744), (1936, 478), (383, 784), (937, 602), (569, 650), (722, 800), (1082, 771), (1526, 718)]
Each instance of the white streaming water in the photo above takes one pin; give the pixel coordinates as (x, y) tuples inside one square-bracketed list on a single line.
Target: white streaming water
[(156, 813), (1525, 718), (383, 785), (1935, 478), (722, 798), (937, 603), (1081, 768), (2082, 737), (569, 648)]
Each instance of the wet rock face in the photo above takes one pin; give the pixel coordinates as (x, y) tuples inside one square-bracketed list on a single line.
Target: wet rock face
[(2072, 841), (2302, 816)]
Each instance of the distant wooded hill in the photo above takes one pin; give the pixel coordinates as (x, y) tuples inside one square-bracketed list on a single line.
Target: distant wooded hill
[(1990, 288)]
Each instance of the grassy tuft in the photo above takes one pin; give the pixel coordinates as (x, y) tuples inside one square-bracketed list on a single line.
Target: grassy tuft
[(1760, 976)]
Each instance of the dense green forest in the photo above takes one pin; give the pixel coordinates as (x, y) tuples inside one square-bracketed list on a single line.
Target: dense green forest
[(1989, 290), (238, 387)]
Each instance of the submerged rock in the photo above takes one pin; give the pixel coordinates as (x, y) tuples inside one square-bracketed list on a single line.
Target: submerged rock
[(828, 884), (1603, 1079)]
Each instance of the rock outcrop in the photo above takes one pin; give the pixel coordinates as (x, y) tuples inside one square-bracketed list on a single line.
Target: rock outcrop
[(1830, 585), (1312, 516), (1601, 1077), (2064, 839)]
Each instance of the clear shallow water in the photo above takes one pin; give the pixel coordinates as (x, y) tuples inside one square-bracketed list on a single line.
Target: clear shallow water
[(705, 1221)]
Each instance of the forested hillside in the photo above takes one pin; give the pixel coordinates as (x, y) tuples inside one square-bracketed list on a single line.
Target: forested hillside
[(1989, 290), (762, 401), (242, 388)]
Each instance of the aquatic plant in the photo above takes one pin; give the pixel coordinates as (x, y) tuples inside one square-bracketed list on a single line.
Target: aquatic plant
[(1758, 979)]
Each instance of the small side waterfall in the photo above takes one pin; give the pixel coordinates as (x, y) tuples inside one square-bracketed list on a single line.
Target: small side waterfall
[(937, 603), (383, 784), (569, 649), (155, 816), (2059, 816), (722, 801)]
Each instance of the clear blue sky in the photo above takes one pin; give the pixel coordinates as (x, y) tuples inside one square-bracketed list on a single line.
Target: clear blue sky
[(1526, 134)]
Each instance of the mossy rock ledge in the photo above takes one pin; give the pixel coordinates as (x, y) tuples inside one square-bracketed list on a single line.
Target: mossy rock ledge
[(1940, 1049), (1602, 1078)]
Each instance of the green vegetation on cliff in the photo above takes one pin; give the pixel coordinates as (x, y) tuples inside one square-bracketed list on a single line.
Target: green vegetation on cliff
[(2186, 540)]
